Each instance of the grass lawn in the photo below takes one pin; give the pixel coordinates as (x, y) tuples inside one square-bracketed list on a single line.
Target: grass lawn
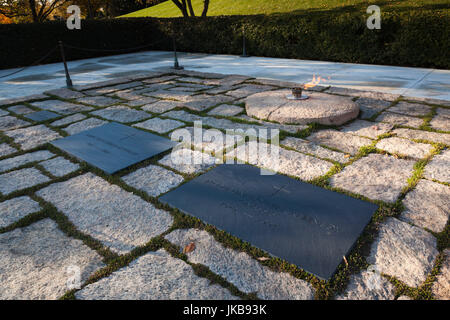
[(246, 7)]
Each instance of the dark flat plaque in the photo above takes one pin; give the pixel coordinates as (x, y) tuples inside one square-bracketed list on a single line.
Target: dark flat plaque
[(113, 147), (308, 226), (42, 115)]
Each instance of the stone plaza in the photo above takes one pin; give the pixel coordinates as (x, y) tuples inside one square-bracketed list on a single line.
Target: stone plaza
[(87, 215)]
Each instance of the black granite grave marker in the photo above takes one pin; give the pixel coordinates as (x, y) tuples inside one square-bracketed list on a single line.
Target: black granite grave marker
[(304, 224), (113, 146)]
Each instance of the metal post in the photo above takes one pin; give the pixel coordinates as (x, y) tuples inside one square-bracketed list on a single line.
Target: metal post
[(244, 50), (68, 80), (176, 65)]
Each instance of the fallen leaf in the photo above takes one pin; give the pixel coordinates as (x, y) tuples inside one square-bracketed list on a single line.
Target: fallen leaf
[(375, 128), (189, 248), (263, 258), (347, 156), (345, 260)]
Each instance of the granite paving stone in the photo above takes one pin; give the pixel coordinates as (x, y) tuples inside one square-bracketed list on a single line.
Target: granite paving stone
[(154, 276), (370, 107), (15, 162), (306, 146), (32, 137), (188, 161), (153, 180), (367, 129), (403, 251), (37, 260), (368, 285), (238, 268), (10, 123), (21, 179), (98, 101), (427, 206), (400, 119), (440, 123), (122, 114), (6, 149), (226, 110), (84, 125), (202, 102), (61, 107), (423, 135), (441, 287), (117, 218), (161, 106), (276, 159), (20, 109), (438, 167), (159, 125), (411, 109), (68, 120), (345, 142), (15, 209), (59, 166), (3, 112), (405, 147), (65, 93), (376, 176)]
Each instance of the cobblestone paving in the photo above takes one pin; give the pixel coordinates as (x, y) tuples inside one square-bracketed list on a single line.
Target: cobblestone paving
[(57, 213)]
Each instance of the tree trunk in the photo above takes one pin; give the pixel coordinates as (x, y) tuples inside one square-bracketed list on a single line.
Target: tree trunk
[(191, 10), (205, 8), (182, 7), (32, 4)]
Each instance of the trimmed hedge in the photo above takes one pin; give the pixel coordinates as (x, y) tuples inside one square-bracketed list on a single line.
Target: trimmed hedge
[(406, 38)]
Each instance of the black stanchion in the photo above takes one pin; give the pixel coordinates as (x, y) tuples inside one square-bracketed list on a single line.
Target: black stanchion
[(176, 65), (68, 80)]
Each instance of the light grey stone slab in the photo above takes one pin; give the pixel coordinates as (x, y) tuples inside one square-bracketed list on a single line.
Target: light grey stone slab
[(10, 123), (20, 109), (364, 94), (368, 285), (441, 287), (117, 218), (428, 205), (378, 177), (219, 90), (209, 141), (68, 120), (154, 276), (159, 125), (226, 110), (440, 123), (59, 166), (423, 135), (160, 79), (122, 114), (233, 80), (405, 147), (238, 268), (65, 93), (443, 112), (37, 261), (170, 95), (6, 149), (291, 128), (370, 107), (280, 160), (15, 162), (411, 109), (119, 85), (141, 101), (98, 101), (249, 89), (345, 142), (189, 87), (3, 112), (153, 180), (87, 124), (438, 167), (403, 251), (15, 209), (22, 99), (161, 106), (400, 119), (188, 161), (32, 137), (306, 146), (320, 108), (21, 179), (202, 102), (199, 81), (61, 107), (367, 129)]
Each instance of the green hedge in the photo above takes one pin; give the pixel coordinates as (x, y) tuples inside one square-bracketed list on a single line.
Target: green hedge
[(407, 38)]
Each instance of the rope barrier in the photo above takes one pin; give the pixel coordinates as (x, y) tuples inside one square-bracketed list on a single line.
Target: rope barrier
[(113, 50), (34, 63)]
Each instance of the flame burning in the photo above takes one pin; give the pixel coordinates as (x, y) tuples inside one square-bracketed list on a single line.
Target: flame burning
[(314, 82)]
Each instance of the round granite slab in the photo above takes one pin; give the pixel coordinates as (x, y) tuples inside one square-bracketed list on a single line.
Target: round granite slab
[(320, 108)]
